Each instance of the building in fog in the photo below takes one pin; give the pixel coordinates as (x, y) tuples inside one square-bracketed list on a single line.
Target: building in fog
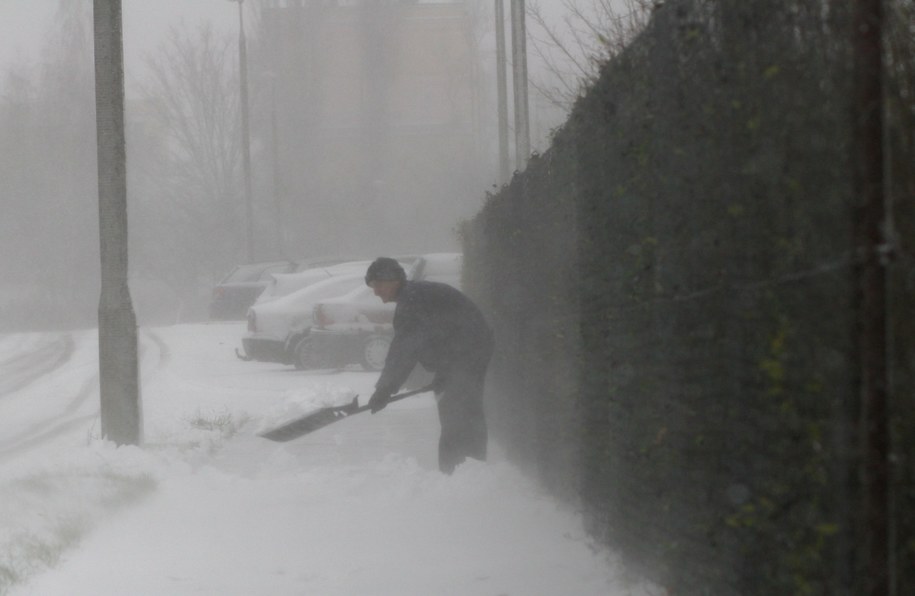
[(377, 123)]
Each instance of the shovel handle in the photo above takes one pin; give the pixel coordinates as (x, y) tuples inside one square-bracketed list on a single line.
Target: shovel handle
[(403, 395), (412, 392)]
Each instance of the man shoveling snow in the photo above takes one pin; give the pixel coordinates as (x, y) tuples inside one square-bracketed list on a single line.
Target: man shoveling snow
[(440, 328)]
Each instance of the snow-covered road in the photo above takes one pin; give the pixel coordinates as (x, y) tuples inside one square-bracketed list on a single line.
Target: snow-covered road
[(208, 507)]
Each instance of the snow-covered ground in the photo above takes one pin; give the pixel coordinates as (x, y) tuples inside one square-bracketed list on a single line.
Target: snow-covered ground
[(208, 507)]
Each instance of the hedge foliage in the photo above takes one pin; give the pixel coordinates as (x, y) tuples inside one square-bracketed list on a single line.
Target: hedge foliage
[(673, 290)]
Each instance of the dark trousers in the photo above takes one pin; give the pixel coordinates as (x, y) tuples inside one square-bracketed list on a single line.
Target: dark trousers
[(460, 411)]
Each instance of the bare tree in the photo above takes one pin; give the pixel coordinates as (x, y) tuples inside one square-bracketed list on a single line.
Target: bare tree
[(571, 49), (47, 164), (189, 174)]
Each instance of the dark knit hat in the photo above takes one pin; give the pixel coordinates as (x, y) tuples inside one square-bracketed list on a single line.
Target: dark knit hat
[(384, 269)]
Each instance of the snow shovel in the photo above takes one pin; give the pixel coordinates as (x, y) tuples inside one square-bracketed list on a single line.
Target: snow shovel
[(323, 417)]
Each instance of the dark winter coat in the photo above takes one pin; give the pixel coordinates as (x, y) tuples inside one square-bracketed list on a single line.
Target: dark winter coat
[(437, 326)]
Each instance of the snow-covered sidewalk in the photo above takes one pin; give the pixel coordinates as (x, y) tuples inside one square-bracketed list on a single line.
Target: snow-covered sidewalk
[(207, 507)]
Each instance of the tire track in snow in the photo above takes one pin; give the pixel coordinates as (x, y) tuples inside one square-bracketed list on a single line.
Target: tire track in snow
[(39, 439), (62, 419), (59, 423), (165, 354), (65, 421), (25, 368)]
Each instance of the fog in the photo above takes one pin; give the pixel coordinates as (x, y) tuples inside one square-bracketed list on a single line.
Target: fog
[(699, 319), (372, 131), (209, 507)]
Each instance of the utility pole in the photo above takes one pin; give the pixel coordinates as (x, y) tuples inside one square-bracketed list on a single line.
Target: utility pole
[(871, 296), (502, 89), (119, 389), (245, 131), (275, 159), (519, 78)]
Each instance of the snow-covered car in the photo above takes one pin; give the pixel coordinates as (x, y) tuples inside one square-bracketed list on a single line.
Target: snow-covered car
[(444, 267), (357, 328), (275, 327), (283, 284), (245, 284)]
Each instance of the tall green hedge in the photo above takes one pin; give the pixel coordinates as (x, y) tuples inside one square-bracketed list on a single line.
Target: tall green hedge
[(672, 286)]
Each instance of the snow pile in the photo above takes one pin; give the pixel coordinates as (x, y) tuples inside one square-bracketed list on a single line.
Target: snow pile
[(49, 508), (208, 507)]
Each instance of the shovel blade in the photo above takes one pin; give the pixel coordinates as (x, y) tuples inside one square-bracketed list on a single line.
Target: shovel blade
[(311, 422)]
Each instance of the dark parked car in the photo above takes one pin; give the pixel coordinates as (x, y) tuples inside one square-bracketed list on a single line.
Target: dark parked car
[(239, 289)]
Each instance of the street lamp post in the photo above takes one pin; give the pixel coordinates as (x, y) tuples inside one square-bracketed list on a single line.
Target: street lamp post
[(119, 383), (245, 131), (519, 71), (275, 162), (502, 93)]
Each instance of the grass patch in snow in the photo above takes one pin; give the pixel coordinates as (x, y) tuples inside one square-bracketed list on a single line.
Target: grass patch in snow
[(223, 423), (46, 513)]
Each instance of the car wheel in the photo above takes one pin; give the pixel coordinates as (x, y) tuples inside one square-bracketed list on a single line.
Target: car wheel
[(374, 351), (304, 355)]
